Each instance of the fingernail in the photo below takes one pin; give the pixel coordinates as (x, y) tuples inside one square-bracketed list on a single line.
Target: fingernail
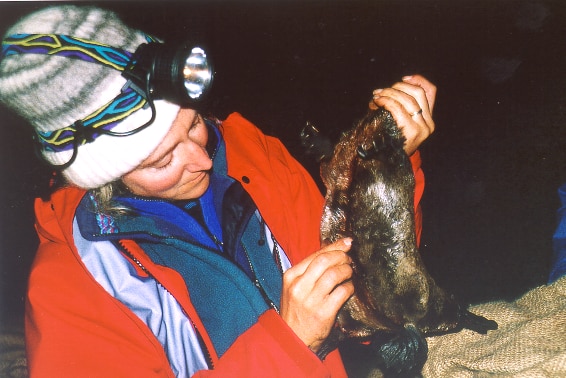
[(348, 241), (376, 93), (409, 77)]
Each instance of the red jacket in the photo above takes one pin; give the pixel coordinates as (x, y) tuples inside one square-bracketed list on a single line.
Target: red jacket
[(74, 328)]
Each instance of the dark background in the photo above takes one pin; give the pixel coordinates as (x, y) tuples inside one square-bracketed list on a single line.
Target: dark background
[(493, 166)]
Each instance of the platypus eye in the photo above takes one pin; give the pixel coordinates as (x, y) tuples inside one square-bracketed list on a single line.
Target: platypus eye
[(363, 153), (368, 152)]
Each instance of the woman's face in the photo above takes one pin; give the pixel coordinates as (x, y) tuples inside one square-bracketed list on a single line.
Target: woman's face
[(179, 167)]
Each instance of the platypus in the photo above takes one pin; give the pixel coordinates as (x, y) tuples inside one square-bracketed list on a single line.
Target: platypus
[(370, 197)]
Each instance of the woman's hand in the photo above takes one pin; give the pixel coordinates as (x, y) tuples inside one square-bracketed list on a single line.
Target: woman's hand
[(410, 102), (314, 291)]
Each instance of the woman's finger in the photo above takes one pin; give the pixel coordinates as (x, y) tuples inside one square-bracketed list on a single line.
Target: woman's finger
[(429, 88), (299, 269)]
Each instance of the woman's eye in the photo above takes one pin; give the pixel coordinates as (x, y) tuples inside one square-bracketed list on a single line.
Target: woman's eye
[(197, 121), (163, 163)]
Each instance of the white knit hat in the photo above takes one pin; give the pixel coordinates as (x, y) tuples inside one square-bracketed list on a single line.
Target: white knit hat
[(52, 92)]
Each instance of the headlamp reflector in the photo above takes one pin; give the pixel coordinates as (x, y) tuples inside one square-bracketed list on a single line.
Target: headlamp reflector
[(197, 73)]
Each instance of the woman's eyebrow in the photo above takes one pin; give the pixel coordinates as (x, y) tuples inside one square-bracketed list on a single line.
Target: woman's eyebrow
[(152, 160), (159, 158), (195, 120)]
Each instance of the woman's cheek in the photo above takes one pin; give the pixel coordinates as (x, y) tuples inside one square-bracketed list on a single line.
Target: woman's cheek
[(163, 181), (152, 182)]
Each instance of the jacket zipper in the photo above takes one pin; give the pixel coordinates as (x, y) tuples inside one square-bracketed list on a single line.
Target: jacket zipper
[(203, 346), (258, 284)]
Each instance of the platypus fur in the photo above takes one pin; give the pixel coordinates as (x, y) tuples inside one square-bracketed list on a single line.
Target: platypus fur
[(370, 197)]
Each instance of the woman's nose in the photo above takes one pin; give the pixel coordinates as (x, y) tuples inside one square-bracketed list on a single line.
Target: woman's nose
[(196, 157)]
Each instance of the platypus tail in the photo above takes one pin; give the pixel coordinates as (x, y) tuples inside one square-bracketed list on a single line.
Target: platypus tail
[(402, 354)]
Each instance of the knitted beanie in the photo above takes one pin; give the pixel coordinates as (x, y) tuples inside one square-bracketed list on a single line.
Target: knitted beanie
[(53, 92)]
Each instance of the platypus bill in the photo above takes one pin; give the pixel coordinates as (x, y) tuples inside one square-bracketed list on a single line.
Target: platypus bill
[(370, 197)]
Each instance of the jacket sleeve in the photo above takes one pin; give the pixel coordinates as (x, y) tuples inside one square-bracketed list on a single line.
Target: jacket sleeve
[(419, 191), (271, 349)]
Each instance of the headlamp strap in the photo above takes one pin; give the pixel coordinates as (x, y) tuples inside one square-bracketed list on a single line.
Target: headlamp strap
[(67, 46), (89, 128), (103, 119)]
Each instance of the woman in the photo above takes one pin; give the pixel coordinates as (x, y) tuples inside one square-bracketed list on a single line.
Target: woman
[(178, 245)]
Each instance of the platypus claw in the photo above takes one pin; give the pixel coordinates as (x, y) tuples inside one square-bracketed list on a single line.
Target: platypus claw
[(476, 323)]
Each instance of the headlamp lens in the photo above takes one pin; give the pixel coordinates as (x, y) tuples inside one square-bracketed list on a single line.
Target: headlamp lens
[(197, 73)]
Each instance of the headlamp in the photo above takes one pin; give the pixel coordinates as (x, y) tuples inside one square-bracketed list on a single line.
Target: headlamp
[(178, 73)]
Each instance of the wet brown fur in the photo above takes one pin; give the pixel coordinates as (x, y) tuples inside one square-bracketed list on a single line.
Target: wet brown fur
[(370, 197)]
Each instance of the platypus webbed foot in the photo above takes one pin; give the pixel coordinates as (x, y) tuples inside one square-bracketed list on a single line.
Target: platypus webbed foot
[(475, 322), (315, 143), (402, 354)]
